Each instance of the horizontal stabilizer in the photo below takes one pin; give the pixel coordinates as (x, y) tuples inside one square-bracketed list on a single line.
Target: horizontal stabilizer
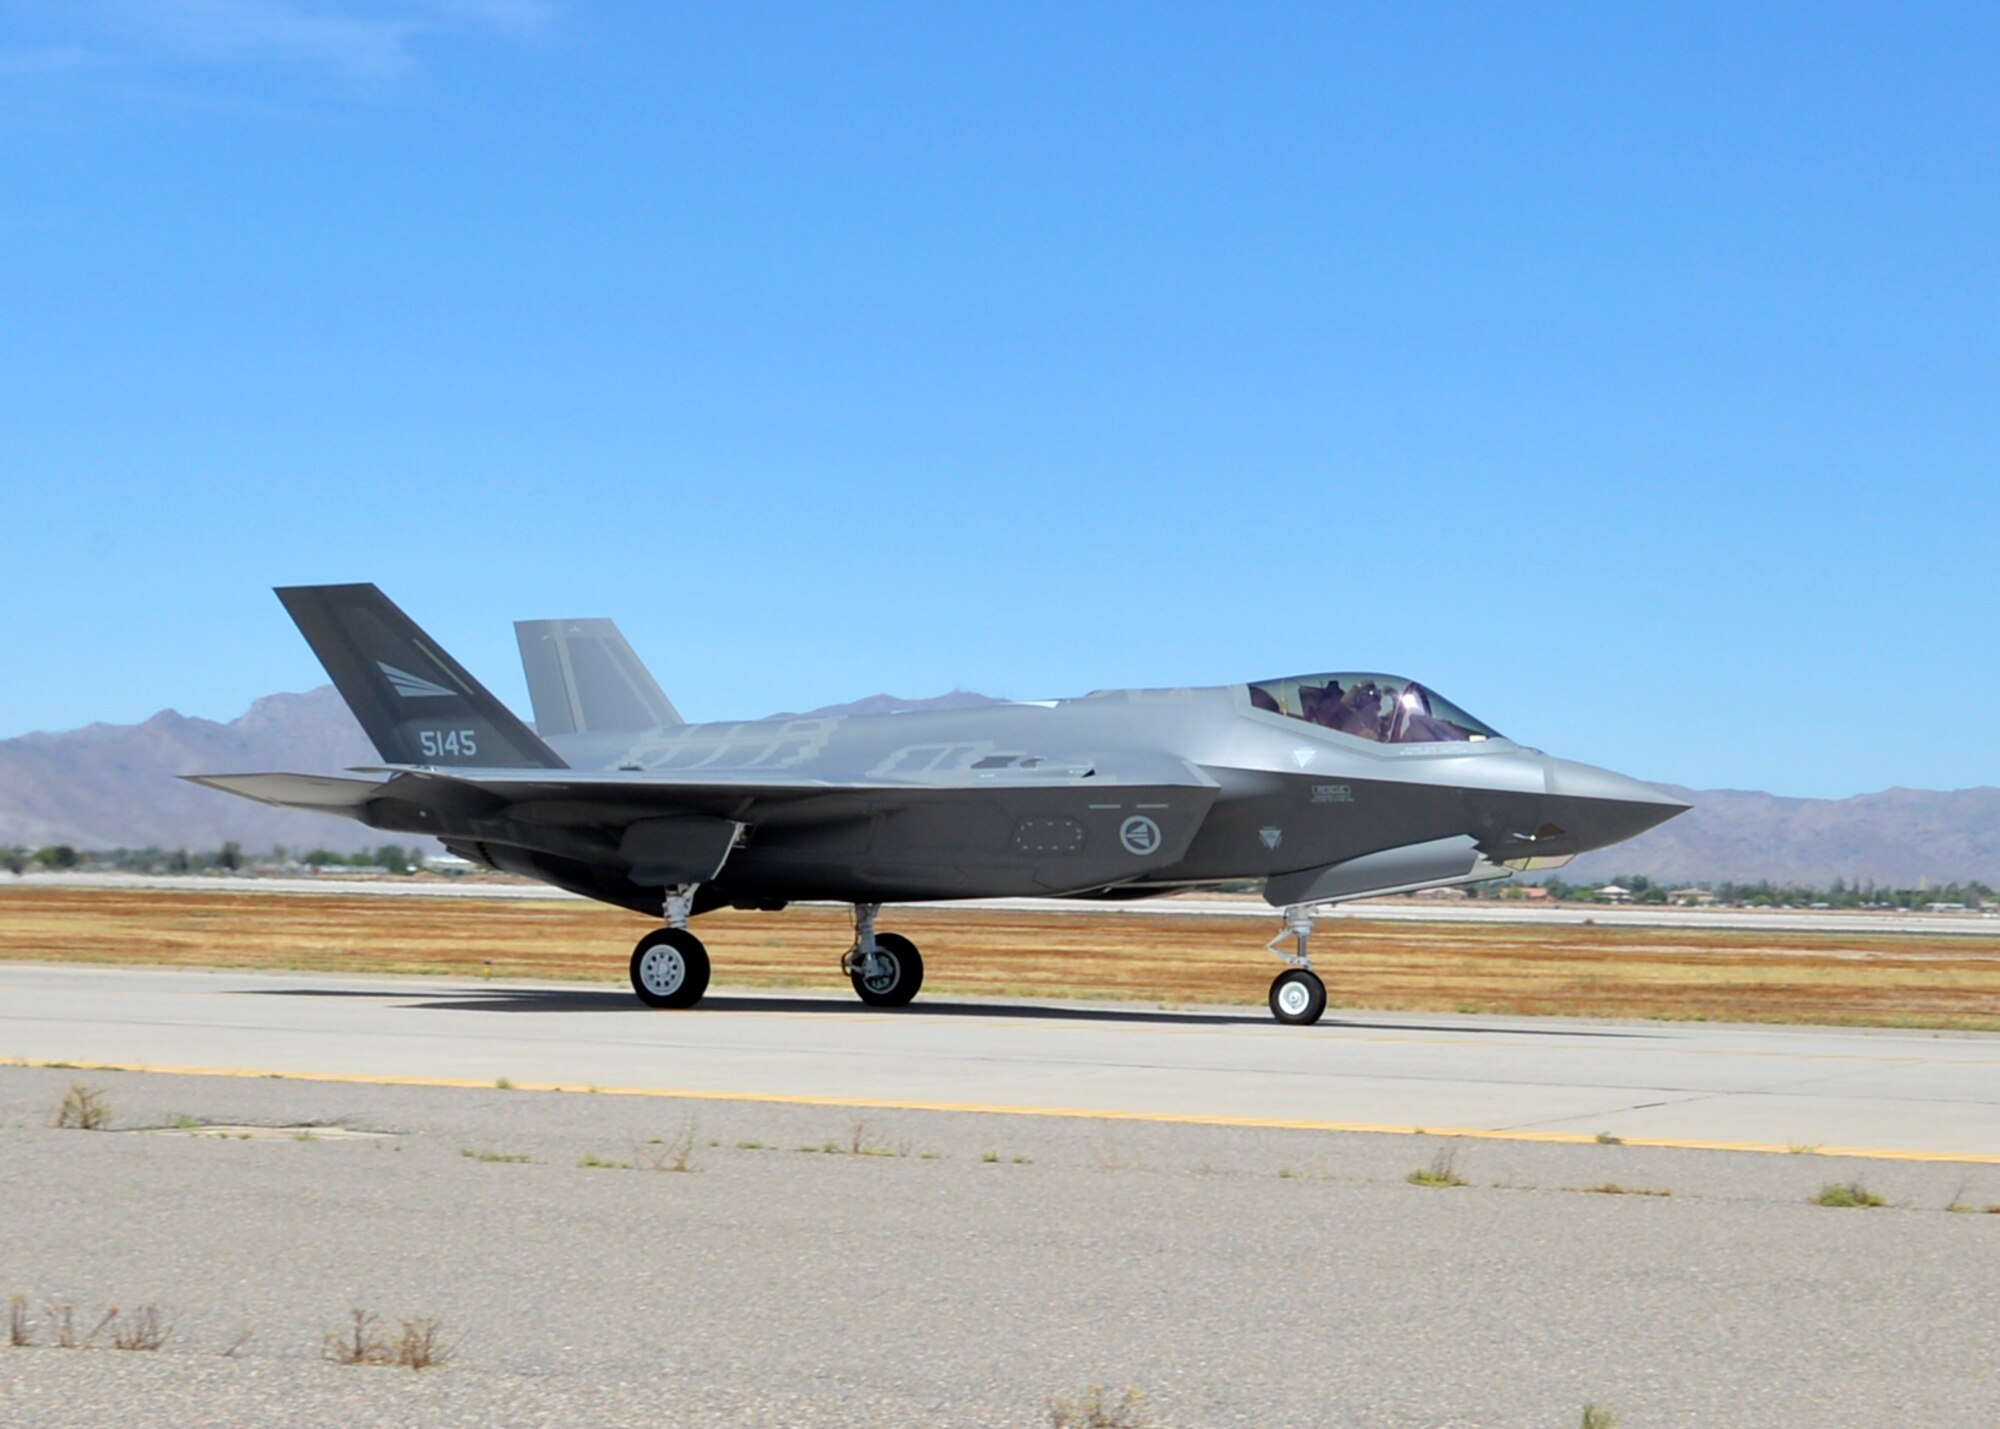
[(318, 792)]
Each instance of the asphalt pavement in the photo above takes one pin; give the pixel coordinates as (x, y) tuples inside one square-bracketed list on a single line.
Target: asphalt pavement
[(1881, 1091)]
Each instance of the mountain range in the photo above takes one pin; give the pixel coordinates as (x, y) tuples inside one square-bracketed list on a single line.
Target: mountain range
[(113, 786)]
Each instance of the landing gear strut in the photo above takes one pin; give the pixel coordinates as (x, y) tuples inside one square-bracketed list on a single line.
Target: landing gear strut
[(670, 966), (1297, 994), (885, 968)]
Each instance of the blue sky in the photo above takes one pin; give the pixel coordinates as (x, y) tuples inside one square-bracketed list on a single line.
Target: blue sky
[(1629, 374)]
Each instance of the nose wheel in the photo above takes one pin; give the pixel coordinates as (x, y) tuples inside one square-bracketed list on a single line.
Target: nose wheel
[(1298, 997)]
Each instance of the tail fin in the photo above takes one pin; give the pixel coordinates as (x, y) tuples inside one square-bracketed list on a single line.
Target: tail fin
[(417, 704), (582, 676)]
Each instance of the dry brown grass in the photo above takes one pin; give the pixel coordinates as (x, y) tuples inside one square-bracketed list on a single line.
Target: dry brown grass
[(1160, 958), (417, 1343), (82, 1109)]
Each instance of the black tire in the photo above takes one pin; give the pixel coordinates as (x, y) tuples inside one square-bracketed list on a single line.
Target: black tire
[(903, 973), (670, 968), (1298, 997)]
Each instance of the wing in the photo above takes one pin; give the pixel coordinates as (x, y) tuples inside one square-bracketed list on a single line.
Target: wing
[(1032, 829)]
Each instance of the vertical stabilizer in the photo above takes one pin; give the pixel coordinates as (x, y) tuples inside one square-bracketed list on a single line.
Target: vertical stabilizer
[(583, 676), (417, 704)]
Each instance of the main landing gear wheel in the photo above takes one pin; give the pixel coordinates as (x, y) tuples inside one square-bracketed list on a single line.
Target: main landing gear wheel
[(1298, 997), (897, 973), (670, 968)]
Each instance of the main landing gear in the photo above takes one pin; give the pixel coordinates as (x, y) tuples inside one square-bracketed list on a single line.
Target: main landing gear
[(1297, 994), (670, 966), (885, 968)]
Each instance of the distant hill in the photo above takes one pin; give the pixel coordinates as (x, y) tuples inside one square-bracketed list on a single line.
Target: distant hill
[(895, 704), (113, 786)]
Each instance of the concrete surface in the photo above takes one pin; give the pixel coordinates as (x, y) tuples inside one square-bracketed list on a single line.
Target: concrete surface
[(821, 1266)]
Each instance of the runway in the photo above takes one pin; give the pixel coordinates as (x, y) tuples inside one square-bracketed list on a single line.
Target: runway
[(1917, 1095)]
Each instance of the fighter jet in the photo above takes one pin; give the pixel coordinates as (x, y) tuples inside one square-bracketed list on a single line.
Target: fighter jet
[(1322, 787)]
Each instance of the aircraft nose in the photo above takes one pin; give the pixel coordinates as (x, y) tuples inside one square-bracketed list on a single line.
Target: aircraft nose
[(1599, 807)]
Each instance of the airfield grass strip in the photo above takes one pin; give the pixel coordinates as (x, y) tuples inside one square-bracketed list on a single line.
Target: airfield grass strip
[(1832, 978)]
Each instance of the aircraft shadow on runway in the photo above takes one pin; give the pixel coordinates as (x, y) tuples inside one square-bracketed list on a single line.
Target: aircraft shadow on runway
[(559, 1000)]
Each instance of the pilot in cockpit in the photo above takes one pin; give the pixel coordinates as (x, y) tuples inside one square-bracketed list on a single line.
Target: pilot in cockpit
[(1320, 704), (1360, 713)]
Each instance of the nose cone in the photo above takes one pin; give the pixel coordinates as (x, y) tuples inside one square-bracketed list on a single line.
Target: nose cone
[(1599, 808)]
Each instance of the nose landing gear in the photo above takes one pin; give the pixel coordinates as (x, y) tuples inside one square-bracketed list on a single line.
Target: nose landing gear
[(1297, 994)]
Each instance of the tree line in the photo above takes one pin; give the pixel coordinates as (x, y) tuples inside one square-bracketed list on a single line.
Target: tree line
[(229, 858), (1764, 893)]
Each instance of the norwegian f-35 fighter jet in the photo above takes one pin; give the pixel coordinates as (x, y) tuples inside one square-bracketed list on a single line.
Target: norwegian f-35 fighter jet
[(1325, 787)]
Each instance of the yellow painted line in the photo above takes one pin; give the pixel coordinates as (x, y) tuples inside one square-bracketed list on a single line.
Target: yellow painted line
[(1266, 1123)]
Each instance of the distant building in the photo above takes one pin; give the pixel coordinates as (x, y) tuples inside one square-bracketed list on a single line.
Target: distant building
[(1692, 898), (1441, 893), (1612, 893)]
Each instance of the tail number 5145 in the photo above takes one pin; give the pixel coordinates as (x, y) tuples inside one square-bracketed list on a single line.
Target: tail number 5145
[(438, 743)]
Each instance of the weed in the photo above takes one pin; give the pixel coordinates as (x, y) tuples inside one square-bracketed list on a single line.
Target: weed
[(20, 1330), (749, 1145), (421, 1344), (989, 1157), (417, 1343), (1467, 1009), (82, 1109), (677, 1154), (1443, 1171), (183, 1122), (591, 1161), (1845, 1194), (146, 1328), (304, 1136), (1286, 1173), (927, 1156), (1803, 1148), (236, 1345), (1605, 1138), (1093, 1409), (856, 1134), (1019, 1160), (501, 1084), (493, 1156), (1612, 1188), (1596, 1416), (63, 1317)]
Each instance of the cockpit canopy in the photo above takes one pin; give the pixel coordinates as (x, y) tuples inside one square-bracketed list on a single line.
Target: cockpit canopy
[(1378, 707)]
